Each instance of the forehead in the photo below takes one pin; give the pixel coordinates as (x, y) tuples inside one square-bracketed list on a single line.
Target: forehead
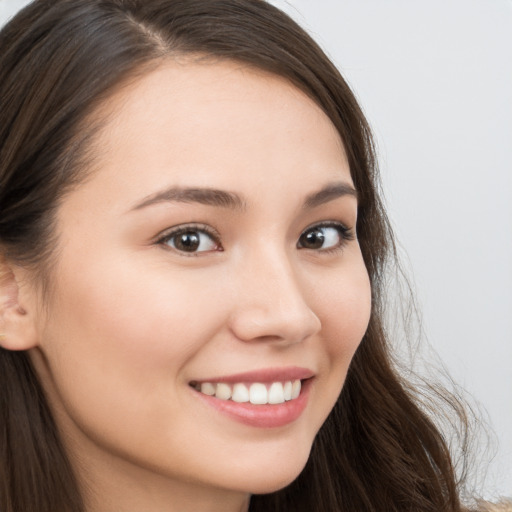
[(218, 124)]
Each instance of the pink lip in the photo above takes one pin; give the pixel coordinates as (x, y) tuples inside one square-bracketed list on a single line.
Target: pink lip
[(262, 416), (264, 375)]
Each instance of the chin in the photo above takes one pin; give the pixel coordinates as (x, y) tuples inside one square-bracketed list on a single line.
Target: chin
[(273, 476), (269, 485)]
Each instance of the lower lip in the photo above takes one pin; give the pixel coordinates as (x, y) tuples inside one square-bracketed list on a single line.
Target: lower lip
[(261, 416)]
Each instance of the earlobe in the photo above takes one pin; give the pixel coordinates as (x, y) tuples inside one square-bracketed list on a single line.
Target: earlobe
[(17, 322)]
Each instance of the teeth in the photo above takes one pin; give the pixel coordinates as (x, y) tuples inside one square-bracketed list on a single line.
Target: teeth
[(257, 393), (288, 390), (223, 391), (295, 389), (240, 393), (207, 388), (276, 393)]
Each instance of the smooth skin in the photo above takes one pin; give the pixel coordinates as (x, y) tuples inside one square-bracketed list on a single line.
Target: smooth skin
[(137, 312)]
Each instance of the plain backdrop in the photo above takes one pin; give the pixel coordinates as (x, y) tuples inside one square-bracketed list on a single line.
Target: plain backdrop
[(435, 80)]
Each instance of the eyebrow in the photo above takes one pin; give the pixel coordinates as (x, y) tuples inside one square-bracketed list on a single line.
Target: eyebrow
[(231, 200), (206, 196), (329, 193)]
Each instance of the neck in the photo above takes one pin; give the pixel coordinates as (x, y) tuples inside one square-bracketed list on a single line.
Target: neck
[(112, 482), (139, 489), (109, 482)]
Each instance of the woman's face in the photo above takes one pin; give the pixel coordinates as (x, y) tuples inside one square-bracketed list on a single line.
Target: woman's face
[(212, 250)]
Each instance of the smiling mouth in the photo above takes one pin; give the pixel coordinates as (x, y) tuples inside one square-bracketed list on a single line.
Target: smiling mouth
[(256, 393)]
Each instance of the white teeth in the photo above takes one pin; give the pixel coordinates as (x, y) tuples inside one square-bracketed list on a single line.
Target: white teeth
[(287, 390), (276, 393), (295, 389), (207, 388), (240, 393), (257, 393), (223, 391)]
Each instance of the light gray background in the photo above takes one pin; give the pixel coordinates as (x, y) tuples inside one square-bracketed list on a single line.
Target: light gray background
[(435, 80)]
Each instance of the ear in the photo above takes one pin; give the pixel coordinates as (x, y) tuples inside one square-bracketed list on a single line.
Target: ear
[(17, 308)]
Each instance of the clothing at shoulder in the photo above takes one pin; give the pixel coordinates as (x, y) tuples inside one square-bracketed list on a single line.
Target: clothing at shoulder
[(504, 505)]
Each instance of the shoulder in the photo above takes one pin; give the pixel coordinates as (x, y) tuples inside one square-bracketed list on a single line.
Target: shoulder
[(504, 505)]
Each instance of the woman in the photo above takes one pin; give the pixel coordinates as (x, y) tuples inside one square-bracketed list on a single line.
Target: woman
[(193, 256)]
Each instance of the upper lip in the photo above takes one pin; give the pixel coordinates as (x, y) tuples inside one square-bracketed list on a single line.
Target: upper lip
[(264, 375)]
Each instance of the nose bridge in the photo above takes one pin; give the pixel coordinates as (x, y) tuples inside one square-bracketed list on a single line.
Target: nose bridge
[(272, 304)]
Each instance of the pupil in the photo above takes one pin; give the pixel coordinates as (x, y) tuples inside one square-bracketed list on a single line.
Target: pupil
[(314, 239), (188, 241)]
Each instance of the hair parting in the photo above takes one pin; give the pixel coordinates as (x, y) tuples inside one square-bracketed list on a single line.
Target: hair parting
[(379, 449)]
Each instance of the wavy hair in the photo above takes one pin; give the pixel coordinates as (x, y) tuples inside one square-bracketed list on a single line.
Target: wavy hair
[(59, 60)]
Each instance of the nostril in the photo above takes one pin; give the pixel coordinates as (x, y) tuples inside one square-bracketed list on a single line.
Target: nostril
[(271, 325)]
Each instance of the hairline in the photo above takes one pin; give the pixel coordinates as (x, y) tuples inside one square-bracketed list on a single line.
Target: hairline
[(83, 152)]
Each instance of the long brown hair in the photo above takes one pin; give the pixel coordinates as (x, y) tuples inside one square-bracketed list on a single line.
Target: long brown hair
[(59, 59)]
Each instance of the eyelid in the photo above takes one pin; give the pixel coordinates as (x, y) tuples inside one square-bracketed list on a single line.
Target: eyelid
[(347, 234), (331, 224), (168, 233)]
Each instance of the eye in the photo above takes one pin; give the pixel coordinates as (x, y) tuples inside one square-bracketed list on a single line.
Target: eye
[(325, 237), (191, 239)]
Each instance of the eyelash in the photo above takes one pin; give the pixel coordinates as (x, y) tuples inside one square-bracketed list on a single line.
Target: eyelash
[(175, 232), (346, 235)]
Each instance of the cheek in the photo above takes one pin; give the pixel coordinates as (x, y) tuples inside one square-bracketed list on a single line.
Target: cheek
[(123, 334), (116, 346), (126, 329), (344, 309)]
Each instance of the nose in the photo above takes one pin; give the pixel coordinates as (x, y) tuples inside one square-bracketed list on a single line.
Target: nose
[(271, 304)]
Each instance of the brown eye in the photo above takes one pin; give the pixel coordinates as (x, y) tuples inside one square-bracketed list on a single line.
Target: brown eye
[(191, 241), (313, 239), (324, 237)]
